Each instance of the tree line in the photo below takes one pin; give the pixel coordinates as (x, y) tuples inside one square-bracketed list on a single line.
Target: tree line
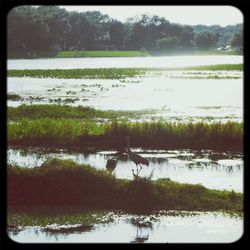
[(51, 28)]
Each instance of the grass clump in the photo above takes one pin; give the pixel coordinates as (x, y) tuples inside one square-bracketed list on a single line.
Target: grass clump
[(54, 111), (214, 67), (101, 53), (109, 73), (161, 134), (100, 73), (63, 182), (50, 131), (218, 67), (40, 217)]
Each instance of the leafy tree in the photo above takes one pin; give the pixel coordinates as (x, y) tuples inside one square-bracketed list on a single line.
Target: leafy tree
[(169, 42), (187, 36), (237, 40), (26, 32), (49, 28), (117, 34), (206, 40)]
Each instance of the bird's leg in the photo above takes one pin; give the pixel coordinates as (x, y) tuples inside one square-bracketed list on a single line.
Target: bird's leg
[(137, 169), (140, 168)]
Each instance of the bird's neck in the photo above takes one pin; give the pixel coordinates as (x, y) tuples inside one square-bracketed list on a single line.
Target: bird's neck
[(128, 146)]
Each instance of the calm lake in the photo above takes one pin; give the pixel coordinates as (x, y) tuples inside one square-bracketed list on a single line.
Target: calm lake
[(170, 98), (122, 62), (174, 95)]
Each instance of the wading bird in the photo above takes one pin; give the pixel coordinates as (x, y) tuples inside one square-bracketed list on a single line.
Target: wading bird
[(137, 159), (111, 164), (136, 176)]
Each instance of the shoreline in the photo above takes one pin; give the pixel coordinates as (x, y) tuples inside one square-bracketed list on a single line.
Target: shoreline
[(109, 53)]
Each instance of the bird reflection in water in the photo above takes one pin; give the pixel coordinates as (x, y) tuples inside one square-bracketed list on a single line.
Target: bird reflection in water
[(143, 229)]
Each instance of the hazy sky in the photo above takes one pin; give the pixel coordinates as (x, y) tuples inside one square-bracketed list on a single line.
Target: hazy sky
[(192, 15)]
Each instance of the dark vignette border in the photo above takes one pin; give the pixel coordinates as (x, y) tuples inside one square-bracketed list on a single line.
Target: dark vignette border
[(5, 7)]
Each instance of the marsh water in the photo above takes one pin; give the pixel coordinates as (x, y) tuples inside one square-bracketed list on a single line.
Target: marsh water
[(215, 170), (209, 99), (160, 227), (122, 62), (172, 95)]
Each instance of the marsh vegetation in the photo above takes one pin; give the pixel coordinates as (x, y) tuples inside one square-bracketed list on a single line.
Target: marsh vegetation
[(82, 185), (67, 116), (74, 133)]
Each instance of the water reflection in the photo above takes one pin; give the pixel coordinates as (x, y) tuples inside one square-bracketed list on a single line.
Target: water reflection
[(143, 229), (216, 170), (55, 229), (166, 226)]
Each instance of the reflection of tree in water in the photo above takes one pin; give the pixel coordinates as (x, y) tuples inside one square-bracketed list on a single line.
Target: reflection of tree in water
[(143, 228)]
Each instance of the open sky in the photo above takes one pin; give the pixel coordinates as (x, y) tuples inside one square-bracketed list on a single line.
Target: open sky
[(190, 15)]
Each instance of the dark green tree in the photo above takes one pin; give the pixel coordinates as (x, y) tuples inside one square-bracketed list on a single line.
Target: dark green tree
[(169, 42), (237, 40), (206, 40), (117, 34)]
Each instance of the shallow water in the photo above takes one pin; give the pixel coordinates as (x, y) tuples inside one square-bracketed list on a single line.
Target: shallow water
[(176, 96), (215, 170), (172, 99), (164, 227), (122, 62)]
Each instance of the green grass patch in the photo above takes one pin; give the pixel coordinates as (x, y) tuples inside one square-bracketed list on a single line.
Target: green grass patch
[(63, 183), (109, 73), (217, 67), (54, 111), (102, 73), (49, 216), (105, 53), (73, 133), (101, 53)]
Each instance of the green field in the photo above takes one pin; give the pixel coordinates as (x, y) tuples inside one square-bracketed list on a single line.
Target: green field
[(101, 53), (104, 53), (112, 73), (54, 111), (109, 53)]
